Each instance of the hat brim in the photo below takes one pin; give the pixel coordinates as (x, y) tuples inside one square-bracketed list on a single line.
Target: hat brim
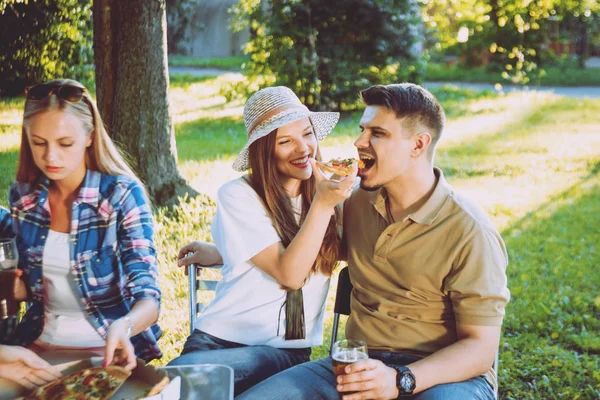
[(322, 122)]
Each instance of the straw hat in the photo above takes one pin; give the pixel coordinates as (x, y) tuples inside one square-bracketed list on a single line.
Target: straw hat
[(274, 107)]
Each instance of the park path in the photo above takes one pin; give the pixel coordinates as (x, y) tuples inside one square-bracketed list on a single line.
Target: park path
[(575, 92)]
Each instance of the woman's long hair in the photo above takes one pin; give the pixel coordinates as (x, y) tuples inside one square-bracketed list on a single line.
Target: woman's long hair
[(264, 179), (102, 155)]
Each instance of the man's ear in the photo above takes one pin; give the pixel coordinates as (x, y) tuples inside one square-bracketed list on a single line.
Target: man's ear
[(422, 141)]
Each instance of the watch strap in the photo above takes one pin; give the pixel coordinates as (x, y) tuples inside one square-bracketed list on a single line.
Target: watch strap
[(402, 370)]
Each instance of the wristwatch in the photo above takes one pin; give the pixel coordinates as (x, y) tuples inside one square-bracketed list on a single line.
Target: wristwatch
[(405, 380)]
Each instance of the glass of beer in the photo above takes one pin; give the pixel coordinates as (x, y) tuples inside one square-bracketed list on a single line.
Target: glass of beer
[(9, 256), (346, 352)]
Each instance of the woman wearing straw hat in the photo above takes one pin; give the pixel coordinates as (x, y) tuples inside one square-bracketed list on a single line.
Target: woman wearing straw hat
[(275, 232)]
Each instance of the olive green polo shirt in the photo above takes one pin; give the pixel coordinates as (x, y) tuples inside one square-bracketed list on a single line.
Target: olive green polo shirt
[(414, 279)]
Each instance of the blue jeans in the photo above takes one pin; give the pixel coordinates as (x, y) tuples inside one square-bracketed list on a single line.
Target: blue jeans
[(251, 364), (315, 380)]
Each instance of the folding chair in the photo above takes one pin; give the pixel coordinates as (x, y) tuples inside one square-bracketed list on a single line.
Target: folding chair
[(342, 306), (342, 303), (196, 283)]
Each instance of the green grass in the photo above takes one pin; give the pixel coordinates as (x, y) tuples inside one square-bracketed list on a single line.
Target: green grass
[(186, 80), (532, 160), (228, 63), (553, 76)]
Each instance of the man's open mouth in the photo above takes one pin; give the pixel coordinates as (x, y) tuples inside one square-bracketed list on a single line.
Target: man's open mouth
[(368, 160)]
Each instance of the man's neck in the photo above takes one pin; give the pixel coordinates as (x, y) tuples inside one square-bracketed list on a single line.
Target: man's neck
[(408, 193)]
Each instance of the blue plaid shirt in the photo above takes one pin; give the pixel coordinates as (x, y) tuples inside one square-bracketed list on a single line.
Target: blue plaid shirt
[(112, 253), (5, 224)]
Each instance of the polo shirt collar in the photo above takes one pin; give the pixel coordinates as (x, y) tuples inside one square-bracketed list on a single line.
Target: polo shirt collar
[(430, 210)]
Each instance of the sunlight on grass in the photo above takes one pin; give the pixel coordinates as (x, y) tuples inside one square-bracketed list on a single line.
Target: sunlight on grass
[(201, 100)]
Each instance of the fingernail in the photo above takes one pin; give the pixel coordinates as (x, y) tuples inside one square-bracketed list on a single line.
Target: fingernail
[(104, 364)]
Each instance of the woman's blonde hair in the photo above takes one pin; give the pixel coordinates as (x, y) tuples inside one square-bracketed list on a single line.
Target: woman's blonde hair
[(264, 179), (102, 155)]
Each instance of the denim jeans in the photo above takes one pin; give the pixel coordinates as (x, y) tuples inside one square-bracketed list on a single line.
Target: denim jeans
[(251, 364), (315, 380)]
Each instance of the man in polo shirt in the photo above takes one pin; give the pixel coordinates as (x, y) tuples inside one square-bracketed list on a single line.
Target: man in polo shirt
[(427, 264)]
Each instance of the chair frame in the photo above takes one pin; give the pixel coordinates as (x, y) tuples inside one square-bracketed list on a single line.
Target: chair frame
[(342, 307), (196, 283)]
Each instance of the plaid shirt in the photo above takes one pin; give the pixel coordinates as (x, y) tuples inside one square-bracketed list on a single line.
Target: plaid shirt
[(112, 253), (5, 224)]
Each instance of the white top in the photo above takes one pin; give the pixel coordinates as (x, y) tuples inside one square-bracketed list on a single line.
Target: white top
[(66, 322), (248, 301)]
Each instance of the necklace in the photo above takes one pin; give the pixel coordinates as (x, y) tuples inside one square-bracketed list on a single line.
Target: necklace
[(387, 210)]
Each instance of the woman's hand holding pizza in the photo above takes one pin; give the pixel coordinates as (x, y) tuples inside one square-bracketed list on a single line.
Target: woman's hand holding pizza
[(25, 367), (330, 192), (118, 338)]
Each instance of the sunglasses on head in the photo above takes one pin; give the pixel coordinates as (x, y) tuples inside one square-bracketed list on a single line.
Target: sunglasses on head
[(70, 93)]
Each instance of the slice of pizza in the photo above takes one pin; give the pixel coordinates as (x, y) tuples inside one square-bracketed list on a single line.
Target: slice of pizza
[(340, 166), (97, 383)]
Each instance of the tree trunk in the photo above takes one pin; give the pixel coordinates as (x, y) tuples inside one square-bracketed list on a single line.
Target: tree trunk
[(132, 90)]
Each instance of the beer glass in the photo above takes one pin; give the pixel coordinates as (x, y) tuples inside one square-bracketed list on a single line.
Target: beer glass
[(9, 256), (346, 352)]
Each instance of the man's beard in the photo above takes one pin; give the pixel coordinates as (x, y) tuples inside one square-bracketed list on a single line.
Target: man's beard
[(369, 188)]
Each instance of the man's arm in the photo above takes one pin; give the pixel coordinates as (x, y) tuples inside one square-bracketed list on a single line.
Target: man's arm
[(471, 355)]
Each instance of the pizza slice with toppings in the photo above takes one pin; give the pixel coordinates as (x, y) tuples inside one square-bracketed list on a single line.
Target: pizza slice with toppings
[(340, 166), (97, 383)]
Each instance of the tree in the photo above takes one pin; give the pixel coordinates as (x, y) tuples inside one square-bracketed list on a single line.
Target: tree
[(42, 40), (327, 51), (513, 34), (131, 88)]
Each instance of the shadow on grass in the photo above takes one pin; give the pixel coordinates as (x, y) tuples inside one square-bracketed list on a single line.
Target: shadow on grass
[(208, 139), (551, 339)]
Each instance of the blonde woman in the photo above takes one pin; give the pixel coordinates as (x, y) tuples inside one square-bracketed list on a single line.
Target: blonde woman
[(276, 230), (85, 233)]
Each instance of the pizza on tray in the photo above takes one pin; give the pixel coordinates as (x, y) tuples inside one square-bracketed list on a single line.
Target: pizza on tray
[(96, 383), (340, 166)]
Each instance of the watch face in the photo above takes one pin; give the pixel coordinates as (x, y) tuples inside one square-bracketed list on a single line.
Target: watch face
[(407, 382)]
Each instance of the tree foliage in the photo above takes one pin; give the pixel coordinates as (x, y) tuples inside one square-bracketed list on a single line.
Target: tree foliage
[(44, 39), (327, 51), (513, 34)]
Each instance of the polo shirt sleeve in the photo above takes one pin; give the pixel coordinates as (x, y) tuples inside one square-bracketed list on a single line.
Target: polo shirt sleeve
[(241, 228), (477, 284)]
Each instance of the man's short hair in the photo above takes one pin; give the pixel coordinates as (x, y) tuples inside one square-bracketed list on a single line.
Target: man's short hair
[(413, 103)]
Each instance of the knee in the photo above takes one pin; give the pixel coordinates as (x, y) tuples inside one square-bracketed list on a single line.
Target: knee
[(476, 389)]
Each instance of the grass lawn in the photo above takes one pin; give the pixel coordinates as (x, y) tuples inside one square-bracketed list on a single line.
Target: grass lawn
[(553, 76), (531, 160), (228, 63)]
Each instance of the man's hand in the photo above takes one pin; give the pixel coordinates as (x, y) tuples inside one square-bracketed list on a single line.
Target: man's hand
[(24, 367), (370, 379)]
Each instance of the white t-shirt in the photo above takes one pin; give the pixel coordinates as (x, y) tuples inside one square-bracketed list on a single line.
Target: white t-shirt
[(65, 321), (248, 301)]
